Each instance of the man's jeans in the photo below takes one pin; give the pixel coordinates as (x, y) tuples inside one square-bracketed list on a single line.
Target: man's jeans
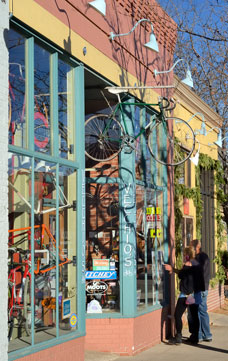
[(204, 322)]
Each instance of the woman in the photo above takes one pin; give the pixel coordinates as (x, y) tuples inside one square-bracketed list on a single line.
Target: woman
[(188, 283)]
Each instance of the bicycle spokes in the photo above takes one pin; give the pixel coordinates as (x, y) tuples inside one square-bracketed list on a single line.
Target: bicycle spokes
[(102, 137)]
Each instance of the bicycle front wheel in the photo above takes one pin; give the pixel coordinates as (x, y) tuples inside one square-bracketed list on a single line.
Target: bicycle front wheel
[(172, 141), (102, 137)]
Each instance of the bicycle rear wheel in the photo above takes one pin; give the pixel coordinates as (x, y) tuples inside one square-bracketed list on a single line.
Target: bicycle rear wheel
[(102, 137), (171, 142), (27, 306)]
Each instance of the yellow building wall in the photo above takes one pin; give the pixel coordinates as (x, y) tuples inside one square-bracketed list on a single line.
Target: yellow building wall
[(193, 110)]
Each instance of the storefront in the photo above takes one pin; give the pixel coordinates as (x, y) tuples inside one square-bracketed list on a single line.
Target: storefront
[(126, 231), (87, 239)]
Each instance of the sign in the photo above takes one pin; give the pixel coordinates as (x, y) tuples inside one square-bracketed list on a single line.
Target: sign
[(186, 206), (155, 233), (66, 306), (96, 287), (100, 264), (153, 218), (102, 275), (73, 320), (153, 210)]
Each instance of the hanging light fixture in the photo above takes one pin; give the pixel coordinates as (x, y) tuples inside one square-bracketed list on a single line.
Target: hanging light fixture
[(99, 5), (188, 77), (195, 159), (220, 139), (152, 43)]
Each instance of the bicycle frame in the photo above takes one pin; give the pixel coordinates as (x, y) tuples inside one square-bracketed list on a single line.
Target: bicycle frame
[(120, 105), (16, 300), (43, 227)]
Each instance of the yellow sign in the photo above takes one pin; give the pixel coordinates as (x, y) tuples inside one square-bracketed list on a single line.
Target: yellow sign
[(73, 320), (153, 210), (155, 233)]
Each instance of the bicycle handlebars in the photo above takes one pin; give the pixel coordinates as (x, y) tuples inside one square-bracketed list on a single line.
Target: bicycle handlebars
[(166, 105)]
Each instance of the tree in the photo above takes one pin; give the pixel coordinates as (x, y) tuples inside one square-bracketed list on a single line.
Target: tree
[(203, 42)]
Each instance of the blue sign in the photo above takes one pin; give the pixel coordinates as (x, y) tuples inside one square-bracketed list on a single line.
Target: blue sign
[(66, 308), (101, 275)]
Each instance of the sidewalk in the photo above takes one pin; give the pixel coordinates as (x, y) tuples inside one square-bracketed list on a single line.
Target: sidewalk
[(215, 350)]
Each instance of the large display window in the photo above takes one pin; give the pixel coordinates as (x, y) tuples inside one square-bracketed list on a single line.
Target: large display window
[(125, 217), (45, 188), (102, 255), (41, 244)]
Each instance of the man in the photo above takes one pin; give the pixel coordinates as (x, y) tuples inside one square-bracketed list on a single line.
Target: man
[(204, 322)]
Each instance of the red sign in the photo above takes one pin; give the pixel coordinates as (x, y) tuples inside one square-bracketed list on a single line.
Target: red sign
[(186, 206)]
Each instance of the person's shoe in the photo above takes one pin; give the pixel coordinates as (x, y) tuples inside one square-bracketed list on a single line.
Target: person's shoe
[(177, 340), (193, 340), (207, 340)]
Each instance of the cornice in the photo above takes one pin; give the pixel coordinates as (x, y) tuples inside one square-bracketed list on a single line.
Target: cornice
[(194, 103)]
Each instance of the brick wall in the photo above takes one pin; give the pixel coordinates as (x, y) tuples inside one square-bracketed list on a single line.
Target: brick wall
[(67, 351), (215, 297), (126, 336), (4, 24)]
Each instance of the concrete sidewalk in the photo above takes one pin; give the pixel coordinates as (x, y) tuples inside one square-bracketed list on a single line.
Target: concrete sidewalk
[(206, 351)]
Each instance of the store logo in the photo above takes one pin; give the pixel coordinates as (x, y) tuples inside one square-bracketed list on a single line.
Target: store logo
[(73, 320), (105, 275), (96, 287)]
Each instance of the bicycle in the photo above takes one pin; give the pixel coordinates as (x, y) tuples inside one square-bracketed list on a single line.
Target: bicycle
[(19, 301), (19, 278), (105, 136)]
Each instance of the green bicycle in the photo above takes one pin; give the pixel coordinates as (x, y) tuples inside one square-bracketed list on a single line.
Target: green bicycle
[(105, 136)]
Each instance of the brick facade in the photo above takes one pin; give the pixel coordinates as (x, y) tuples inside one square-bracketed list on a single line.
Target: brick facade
[(215, 297), (126, 336), (66, 351)]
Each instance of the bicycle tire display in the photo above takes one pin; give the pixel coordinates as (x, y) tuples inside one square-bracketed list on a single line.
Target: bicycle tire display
[(27, 306), (171, 148), (102, 137)]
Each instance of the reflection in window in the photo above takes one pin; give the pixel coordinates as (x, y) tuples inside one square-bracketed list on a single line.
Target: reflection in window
[(52, 198), (65, 110), (42, 129), (17, 100), (67, 245), (150, 246), (19, 252), (102, 255)]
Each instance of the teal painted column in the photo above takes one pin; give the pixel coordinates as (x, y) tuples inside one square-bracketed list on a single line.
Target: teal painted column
[(128, 222), (81, 221)]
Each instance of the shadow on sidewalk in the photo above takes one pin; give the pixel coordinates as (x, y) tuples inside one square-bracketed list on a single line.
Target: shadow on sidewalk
[(205, 347)]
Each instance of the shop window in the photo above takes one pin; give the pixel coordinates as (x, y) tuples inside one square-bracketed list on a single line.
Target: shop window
[(187, 231), (65, 111), (102, 255), (42, 195), (42, 123), (150, 247), (51, 249), (185, 173), (17, 124)]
